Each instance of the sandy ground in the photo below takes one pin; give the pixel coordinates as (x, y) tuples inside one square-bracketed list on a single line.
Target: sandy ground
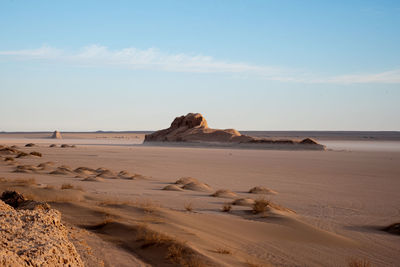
[(342, 197)]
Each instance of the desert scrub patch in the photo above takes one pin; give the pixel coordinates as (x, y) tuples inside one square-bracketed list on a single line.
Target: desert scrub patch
[(261, 205)]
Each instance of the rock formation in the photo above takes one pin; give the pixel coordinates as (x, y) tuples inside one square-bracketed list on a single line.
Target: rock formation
[(56, 135), (193, 128), (34, 238)]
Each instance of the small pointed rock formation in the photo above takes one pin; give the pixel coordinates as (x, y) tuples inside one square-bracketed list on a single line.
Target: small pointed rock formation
[(193, 128), (56, 135)]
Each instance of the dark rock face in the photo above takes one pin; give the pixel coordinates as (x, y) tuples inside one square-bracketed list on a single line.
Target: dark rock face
[(193, 128), (18, 201), (12, 198)]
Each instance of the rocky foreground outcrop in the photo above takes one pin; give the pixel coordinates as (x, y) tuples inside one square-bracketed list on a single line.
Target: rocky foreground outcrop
[(34, 238), (193, 128)]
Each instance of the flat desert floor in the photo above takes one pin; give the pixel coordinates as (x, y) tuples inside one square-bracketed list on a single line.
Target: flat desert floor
[(329, 207)]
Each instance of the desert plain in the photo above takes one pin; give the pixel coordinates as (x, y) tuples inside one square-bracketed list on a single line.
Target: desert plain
[(122, 205)]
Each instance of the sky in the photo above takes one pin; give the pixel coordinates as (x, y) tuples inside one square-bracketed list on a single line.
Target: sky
[(248, 65)]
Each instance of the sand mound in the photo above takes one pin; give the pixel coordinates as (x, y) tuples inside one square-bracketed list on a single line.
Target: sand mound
[(93, 179), (172, 187), (45, 165), (194, 128), (53, 145), (36, 154), (34, 238), (197, 186), (244, 202), (22, 154), (67, 146), (8, 151), (262, 190), (25, 169), (85, 171), (223, 193), (186, 180), (30, 145), (56, 135), (62, 170), (126, 175), (105, 173)]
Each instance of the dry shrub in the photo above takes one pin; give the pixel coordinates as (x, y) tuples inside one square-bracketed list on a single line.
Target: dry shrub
[(188, 206), (223, 251), (146, 205), (35, 153), (261, 205), (70, 186), (67, 186), (52, 145), (150, 237), (226, 207), (9, 159), (358, 263), (177, 252)]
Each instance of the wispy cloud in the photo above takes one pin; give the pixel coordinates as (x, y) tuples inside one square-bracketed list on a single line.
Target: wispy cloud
[(154, 59)]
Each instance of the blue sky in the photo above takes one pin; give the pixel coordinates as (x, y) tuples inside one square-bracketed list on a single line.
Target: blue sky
[(249, 65)]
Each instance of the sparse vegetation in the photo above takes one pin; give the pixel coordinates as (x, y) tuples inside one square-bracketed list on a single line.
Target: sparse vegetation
[(146, 205), (226, 207), (177, 252), (150, 237), (70, 186), (188, 206), (67, 186), (223, 251), (261, 205), (35, 153), (359, 263)]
